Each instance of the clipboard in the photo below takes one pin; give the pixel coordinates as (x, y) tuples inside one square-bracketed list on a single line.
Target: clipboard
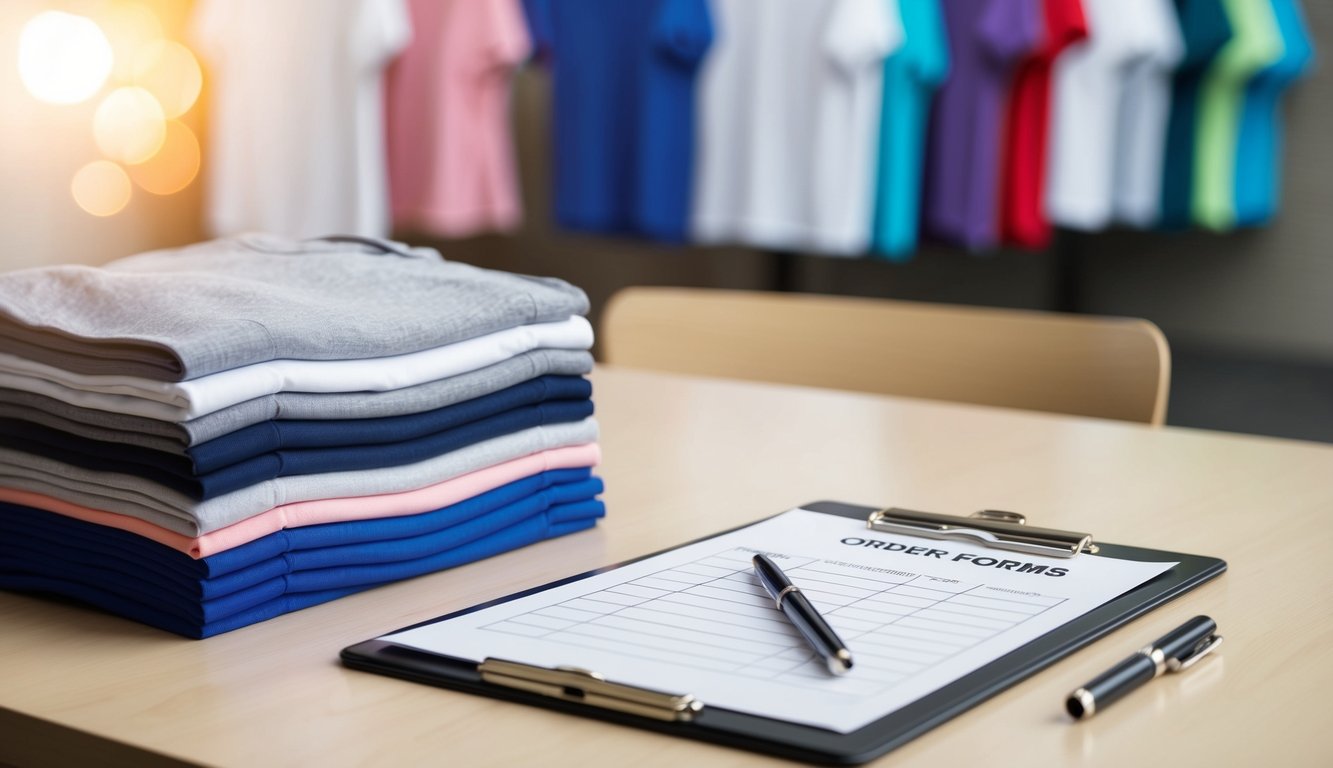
[(585, 693)]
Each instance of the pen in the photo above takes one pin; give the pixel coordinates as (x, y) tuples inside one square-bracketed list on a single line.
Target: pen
[(801, 612), (1178, 649)]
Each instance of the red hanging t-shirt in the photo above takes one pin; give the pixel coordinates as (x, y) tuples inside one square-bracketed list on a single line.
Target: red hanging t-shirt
[(1023, 177)]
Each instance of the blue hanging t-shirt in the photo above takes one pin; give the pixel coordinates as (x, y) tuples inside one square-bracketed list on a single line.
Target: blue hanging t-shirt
[(911, 76), (1205, 29), (624, 83), (1259, 144)]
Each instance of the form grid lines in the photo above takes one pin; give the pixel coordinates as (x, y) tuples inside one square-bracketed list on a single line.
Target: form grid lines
[(712, 614)]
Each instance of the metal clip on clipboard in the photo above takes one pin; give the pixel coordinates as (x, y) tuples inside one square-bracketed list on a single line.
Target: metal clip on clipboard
[(586, 687), (993, 528)]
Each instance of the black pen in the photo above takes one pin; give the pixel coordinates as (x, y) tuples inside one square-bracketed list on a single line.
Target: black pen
[(801, 612), (1176, 650)]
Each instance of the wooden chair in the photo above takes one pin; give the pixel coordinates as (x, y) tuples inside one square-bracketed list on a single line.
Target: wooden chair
[(1110, 367)]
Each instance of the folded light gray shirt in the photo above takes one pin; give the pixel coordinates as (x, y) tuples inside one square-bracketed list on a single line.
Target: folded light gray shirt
[(177, 314), (175, 436)]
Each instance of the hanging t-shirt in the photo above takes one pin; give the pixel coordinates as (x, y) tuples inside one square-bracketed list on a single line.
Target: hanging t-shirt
[(911, 76), (296, 144), (1023, 174), (1205, 29), (624, 89), (987, 39), (1256, 45), (788, 122), (1141, 132), (1259, 148), (1087, 89), (451, 154)]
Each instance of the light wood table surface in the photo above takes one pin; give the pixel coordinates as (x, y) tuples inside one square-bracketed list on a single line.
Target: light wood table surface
[(687, 457)]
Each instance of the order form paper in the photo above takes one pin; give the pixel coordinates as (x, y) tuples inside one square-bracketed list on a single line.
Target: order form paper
[(915, 613)]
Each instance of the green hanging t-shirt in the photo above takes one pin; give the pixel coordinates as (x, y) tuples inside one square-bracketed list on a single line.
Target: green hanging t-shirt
[(1255, 44)]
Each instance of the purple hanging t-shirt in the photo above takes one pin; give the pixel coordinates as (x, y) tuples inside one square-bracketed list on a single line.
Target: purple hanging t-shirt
[(987, 39)]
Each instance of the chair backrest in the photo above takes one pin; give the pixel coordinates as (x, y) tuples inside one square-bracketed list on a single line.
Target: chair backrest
[(1110, 367)]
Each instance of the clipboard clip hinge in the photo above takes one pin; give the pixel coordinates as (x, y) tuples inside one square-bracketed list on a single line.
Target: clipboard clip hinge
[(587, 687), (994, 528)]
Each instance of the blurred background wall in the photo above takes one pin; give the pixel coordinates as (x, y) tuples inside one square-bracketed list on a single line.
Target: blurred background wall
[(1249, 313)]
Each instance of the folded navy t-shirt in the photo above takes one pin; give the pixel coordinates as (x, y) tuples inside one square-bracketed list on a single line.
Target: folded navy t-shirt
[(167, 469)]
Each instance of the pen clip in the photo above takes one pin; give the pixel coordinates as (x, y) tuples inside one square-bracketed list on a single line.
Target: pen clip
[(1182, 663), (993, 528), (587, 687)]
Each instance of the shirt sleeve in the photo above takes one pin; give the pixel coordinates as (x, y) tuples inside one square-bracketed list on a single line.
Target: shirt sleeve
[(933, 66), (684, 30), (381, 30), (1010, 29), (1206, 29), (541, 27), (1258, 42), (861, 33), (1299, 57), (1068, 23), (506, 34)]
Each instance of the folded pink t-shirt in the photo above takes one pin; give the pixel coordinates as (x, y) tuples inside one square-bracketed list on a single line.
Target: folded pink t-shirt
[(321, 511)]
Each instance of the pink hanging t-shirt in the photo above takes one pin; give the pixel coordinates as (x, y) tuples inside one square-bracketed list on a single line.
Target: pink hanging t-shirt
[(451, 150)]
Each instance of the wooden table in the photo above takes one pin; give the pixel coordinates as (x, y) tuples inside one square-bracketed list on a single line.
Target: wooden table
[(686, 457)]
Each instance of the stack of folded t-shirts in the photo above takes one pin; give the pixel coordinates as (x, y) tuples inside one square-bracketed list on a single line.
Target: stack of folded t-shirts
[(204, 438)]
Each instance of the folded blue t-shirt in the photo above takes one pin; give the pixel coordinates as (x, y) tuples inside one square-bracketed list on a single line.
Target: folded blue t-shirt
[(163, 468), (527, 532), (150, 585), (342, 569), (214, 575)]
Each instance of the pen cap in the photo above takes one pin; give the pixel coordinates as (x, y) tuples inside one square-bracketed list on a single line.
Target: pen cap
[(1187, 639)]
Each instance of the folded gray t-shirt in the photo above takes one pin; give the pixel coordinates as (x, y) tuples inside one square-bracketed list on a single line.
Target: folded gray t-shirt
[(182, 313)]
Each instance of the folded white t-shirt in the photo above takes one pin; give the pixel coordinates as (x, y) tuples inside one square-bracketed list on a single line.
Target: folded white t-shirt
[(181, 401)]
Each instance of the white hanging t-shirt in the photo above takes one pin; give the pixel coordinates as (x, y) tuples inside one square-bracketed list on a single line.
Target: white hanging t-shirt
[(296, 134), (1087, 83), (1144, 114), (788, 123)]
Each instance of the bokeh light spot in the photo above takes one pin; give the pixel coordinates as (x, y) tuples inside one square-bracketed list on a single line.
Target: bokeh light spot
[(129, 27), (170, 72), (63, 58), (129, 125), (174, 166), (101, 188)]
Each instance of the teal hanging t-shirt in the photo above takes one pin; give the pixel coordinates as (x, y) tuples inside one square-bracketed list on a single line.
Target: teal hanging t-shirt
[(1259, 146), (911, 76), (1205, 29)]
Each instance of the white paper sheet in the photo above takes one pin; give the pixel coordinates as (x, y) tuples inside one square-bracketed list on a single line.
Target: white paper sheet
[(915, 613)]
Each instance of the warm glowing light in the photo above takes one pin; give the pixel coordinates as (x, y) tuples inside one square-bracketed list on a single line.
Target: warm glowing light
[(174, 166), (170, 72), (129, 125), (101, 188), (63, 58), (129, 27)]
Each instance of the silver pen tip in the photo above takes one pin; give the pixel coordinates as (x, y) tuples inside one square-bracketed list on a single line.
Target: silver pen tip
[(841, 662)]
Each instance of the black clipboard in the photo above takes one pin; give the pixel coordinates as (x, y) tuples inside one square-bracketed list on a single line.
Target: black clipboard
[(811, 744)]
